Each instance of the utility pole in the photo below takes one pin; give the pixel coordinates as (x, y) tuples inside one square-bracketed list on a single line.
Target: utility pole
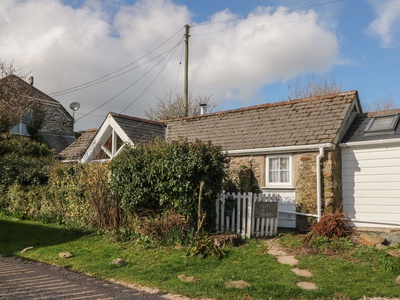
[(186, 84)]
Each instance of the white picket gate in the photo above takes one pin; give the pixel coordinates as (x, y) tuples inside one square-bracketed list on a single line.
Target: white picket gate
[(244, 219)]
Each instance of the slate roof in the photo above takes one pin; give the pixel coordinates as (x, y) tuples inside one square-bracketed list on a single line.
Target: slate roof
[(297, 122), (57, 142), (139, 130), (357, 128), (29, 89), (76, 150)]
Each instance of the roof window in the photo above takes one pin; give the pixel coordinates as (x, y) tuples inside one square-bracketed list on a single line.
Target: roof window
[(385, 124)]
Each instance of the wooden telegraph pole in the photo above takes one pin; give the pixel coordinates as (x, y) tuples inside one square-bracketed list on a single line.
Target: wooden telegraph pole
[(186, 84)]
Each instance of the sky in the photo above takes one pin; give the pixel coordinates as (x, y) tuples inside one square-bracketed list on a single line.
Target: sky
[(124, 55)]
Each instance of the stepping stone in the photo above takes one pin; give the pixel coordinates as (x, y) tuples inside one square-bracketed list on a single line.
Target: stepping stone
[(307, 285), (302, 272), (287, 260), (276, 252), (239, 284)]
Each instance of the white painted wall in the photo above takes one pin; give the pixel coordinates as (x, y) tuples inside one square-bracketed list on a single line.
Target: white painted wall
[(371, 185)]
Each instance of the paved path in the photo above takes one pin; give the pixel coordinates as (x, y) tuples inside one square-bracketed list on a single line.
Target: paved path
[(20, 279)]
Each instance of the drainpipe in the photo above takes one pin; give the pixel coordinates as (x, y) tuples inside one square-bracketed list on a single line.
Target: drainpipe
[(318, 163)]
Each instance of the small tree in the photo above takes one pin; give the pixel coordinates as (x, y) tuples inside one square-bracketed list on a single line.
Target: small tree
[(170, 107), (383, 103), (16, 103), (313, 85)]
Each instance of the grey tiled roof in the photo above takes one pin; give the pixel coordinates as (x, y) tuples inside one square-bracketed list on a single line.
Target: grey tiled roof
[(58, 142), (140, 130), (29, 89), (76, 150), (357, 128), (297, 122)]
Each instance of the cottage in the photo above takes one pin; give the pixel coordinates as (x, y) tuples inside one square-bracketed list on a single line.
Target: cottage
[(57, 129), (288, 148)]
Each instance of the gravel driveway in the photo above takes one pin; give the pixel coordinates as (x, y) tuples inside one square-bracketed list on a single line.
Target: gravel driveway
[(21, 279)]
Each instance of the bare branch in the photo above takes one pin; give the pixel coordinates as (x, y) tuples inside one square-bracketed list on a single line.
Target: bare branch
[(313, 85), (170, 107)]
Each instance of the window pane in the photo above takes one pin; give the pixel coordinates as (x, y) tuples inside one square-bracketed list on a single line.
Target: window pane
[(15, 129), (284, 163), (274, 164), (284, 176), (24, 129)]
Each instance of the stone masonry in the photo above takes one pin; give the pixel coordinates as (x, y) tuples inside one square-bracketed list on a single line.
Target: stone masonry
[(251, 169)]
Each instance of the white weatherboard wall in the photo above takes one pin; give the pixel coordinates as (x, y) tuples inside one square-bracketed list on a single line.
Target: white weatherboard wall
[(371, 185)]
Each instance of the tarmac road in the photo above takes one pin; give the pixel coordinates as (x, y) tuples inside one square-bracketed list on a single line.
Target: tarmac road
[(21, 279)]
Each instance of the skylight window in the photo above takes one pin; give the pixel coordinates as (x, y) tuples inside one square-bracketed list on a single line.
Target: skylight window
[(382, 125)]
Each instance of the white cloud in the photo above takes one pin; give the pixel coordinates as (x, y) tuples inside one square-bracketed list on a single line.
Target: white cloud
[(258, 50), (386, 24), (66, 46)]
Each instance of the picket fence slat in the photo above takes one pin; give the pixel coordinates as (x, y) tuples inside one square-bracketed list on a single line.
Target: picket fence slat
[(242, 220)]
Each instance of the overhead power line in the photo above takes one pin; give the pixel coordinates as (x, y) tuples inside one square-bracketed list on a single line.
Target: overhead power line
[(107, 76), (266, 14), (172, 50)]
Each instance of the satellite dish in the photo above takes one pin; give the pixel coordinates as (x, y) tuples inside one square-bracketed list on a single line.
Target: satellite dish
[(74, 106)]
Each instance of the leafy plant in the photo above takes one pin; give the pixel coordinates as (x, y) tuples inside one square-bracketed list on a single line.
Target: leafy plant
[(203, 244), (163, 175)]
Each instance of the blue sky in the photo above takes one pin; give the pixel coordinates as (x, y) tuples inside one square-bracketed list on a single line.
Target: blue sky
[(242, 53)]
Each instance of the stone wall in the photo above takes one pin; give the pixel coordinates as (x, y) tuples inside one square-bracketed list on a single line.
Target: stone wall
[(305, 181), (57, 120), (249, 174)]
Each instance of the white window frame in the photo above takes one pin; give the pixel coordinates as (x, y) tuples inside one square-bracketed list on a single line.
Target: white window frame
[(22, 129), (269, 184)]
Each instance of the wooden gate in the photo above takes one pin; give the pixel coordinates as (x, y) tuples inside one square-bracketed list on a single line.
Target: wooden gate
[(248, 214)]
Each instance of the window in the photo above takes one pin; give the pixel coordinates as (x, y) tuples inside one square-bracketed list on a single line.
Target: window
[(382, 125), (279, 171), (22, 128)]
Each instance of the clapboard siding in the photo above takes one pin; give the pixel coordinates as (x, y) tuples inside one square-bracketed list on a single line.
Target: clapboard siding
[(371, 184)]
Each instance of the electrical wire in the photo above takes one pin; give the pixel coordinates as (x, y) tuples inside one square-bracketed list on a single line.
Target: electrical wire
[(129, 86), (120, 74), (266, 14), (83, 85), (151, 83)]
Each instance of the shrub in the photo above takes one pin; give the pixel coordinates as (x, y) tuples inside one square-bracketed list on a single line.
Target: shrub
[(81, 193), (163, 176), (330, 233)]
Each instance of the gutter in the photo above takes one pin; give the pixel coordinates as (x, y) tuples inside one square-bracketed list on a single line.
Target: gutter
[(318, 164), (370, 143), (284, 149)]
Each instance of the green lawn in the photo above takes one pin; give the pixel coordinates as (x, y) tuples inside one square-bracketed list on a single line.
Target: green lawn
[(336, 278)]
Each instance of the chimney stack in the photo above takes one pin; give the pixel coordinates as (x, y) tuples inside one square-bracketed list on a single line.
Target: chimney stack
[(30, 80), (203, 107)]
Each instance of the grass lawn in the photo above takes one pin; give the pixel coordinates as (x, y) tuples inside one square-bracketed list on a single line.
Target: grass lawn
[(337, 277)]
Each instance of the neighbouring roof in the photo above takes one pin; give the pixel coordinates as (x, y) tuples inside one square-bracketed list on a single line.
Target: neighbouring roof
[(356, 132), (29, 89), (306, 121), (134, 129), (139, 130), (57, 142), (76, 150)]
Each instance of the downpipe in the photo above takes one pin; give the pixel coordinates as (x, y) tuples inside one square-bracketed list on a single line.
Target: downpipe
[(318, 171)]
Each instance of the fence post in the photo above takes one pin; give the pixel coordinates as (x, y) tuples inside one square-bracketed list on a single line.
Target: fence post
[(250, 215)]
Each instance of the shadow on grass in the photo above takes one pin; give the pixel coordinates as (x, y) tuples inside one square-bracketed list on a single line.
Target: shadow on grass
[(17, 235)]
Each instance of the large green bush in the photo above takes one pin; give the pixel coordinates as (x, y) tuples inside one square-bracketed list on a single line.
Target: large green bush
[(81, 194), (164, 175), (23, 162)]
